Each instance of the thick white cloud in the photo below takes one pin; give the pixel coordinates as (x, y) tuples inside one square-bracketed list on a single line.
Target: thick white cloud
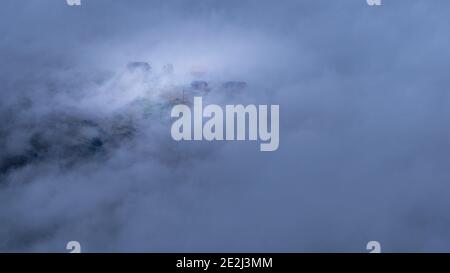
[(363, 137)]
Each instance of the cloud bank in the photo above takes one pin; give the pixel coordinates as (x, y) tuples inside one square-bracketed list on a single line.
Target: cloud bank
[(364, 113)]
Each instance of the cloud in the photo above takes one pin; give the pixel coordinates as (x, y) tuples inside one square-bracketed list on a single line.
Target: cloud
[(363, 137)]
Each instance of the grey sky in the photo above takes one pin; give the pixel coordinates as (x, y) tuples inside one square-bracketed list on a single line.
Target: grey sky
[(364, 138)]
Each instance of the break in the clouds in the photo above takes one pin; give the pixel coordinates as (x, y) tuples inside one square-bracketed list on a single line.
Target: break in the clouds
[(85, 146)]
